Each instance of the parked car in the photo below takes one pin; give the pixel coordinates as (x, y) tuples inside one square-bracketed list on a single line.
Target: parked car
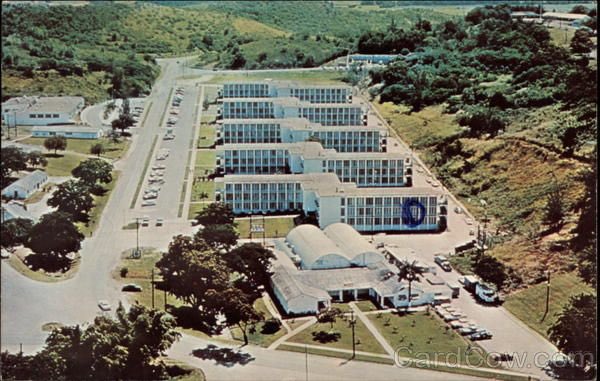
[(480, 335), (148, 202), (469, 221), (132, 287), (466, 331), (104, 305), (159, 222), (150, 196), (443, 262), (502, 357), (158, 166)]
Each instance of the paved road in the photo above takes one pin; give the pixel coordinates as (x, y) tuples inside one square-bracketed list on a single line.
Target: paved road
[(27, 305), (262, 364)]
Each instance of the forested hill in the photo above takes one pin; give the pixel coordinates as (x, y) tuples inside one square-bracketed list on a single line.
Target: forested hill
[(106, 48), (503, 114)]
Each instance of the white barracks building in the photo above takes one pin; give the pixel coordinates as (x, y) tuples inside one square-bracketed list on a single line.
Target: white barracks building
[(283, 89), (373, 169)]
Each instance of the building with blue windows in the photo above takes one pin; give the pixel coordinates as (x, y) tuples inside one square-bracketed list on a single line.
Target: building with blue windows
[(285, 89)]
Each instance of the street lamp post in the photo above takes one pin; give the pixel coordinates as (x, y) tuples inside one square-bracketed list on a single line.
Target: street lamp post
[(352, 324), (547, 296)]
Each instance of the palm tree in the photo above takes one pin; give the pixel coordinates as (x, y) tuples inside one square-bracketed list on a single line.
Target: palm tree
[(410, 272)]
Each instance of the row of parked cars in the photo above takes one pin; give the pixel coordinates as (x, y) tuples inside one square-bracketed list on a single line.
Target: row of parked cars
[(155, 179), (174, 113), (459, 322)]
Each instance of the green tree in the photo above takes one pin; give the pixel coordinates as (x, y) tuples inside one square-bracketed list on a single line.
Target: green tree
[(410, 272), (56, 143), (252, 261), (72, 197), (97, 149), (554, 210), (123, 122), (37, 159), (574, 332), (219, 236), (12, 159), (14, 232), (55, 234), (490, 270), (238, 309), (581, 43), (215, 213), (330, 315), (194, 274), (93, 171)]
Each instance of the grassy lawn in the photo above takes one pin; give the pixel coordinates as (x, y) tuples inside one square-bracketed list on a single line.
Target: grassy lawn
[(99, 204), (257, 337), (366, 306), (112, 150), (16, 262), (325, 352), (274, 227), (207, 136), (427, 335), (295, 323), (205, 159), (365, 341), (529, 304), (561, 37), (195, 209), (140, 272), (200, 187), (62, 164), (317, 76)]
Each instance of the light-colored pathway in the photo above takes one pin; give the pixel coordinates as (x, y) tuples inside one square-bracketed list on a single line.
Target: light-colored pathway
[(273, 310), (190, 176), (380, 339), (312, 320)]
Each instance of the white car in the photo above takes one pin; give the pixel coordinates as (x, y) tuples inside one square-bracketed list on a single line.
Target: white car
[(104, 305), (159, 222), (150, 196), (156, 181), (169, 137), (148, 202), (158, 166), (469, 221)]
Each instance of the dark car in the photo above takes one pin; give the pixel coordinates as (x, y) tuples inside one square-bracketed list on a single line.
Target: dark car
[(503, 357), (481, 335), (132, 287)]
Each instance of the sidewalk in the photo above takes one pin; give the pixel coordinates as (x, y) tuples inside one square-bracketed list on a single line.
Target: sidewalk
[(380, 339)]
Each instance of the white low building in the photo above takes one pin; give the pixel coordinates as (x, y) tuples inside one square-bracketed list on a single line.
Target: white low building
[(41, 111), (13, 210), (26, 186)]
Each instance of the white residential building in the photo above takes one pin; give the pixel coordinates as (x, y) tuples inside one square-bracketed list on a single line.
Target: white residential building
[(367, 169), (293, 130), (331, 201), (283, 89), (26, 186), (327, 114), (41, 111)]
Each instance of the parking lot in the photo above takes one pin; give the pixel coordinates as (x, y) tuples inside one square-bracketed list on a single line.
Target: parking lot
[(164, 180)]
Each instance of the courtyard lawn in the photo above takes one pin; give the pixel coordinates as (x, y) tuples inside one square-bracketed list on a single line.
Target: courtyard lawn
[(112, 150), (364, 340), (275, 227), (195, 208), (203, 187), (366, 306), (62, 164), (99, 204), (207, 136), (423, 335), (205, 160), (257, 337), (529, 305)]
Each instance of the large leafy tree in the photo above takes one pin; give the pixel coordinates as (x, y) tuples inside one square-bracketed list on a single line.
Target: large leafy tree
[(55, 234), (93, 171), (194, 274), (14, 232), (72, 197), (215, 213), (11, 159), (127, 347), (37, 159), (56, 143), (252, 261), (219, 236), (123, 122), (490, 270), (238, 310), (581, 42), (575, 329)]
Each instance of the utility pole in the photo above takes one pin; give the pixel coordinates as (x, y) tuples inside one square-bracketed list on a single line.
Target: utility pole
[(152, 284), (547, 296), (352, 324)]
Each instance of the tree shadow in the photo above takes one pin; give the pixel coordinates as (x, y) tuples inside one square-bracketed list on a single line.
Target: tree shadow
[(223, 356), (326, 337), (48, 262)]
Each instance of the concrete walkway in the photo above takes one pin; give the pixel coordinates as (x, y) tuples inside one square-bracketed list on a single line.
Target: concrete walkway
[(273, 310), (192, 164), (348, 351), (380, 339), (291, 333)]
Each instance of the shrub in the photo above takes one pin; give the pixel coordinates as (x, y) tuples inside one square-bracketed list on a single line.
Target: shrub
[(124, 271), (271, 326)]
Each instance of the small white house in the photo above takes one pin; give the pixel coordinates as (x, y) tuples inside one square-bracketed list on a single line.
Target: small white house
[(297, 298), (14, 209), (26, 186), (40, 111), (68, 131)]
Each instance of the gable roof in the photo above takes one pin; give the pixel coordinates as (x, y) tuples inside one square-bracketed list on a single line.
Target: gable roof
[(30, 181), (290, 288)]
